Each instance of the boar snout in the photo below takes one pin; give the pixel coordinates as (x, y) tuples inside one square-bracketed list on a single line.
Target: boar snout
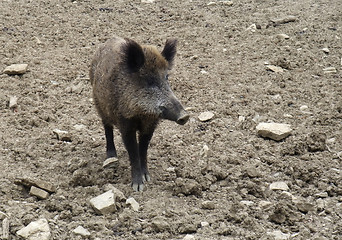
[(184, 117), (175, 112)]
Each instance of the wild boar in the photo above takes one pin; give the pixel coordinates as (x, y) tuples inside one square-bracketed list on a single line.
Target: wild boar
[(131, 92)]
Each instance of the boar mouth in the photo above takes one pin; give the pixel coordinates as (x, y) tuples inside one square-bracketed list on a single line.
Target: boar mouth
[(176, 114)]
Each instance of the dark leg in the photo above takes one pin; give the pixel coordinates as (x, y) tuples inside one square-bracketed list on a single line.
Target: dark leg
[(110, 148), (144, 140), (128, 132)]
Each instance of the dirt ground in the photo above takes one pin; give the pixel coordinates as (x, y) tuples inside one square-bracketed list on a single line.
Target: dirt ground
[(210, 180)]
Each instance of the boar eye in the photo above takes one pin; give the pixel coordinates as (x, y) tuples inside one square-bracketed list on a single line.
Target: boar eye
[(167, 77)]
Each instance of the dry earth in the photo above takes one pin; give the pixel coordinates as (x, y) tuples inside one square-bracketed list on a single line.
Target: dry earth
[(221, 67)]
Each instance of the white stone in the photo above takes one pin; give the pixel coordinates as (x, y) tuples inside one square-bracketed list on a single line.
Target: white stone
[(275, 131), (15, 69), (62, 135), (279, 186), (274, 68), (13, 102), (38, 230), (188, 237), (326, 50), (79, 127), (282, 36), (247, 203), (39, 193), (264, 204), (204, 151), (206, 116), (81, 231), (147, 1), (119, 196), (304, 108), (242, 118), (134, 204), (252, 28), (330, 70), (279, 235), (104, 203), (204, 224)]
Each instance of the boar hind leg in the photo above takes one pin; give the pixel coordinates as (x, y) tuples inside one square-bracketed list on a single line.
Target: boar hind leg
[(110, 147), (128, 132), (144, 140)]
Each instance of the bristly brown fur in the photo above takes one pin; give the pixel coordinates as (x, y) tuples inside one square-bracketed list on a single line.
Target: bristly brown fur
[(154, 60)]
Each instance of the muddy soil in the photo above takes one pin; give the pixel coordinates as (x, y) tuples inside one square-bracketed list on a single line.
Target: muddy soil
[(210, 180)]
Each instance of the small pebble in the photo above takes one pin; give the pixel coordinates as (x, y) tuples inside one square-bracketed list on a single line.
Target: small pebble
[(326, 50), (81, 231), (39, 193), (210, 205), (13, 102), (36, 230), (275, 131), (110, 162), (16, 69), (134, 204), (62, 135), (206, 116), (330, 70), (282, 36), (104, 203), (274, 68), (279, 186)]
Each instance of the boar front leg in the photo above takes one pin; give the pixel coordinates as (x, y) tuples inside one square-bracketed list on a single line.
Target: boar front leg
[(144, 140), (110, 147), (128, 131)]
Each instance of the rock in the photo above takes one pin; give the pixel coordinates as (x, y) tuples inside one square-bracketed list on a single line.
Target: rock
[(147, 1), (330, 70), (134, 204), (204, 224), (247, 203), (242, 118), (278, 235), (322, 195), (204, 151), (320, 204), (39, 193), (104, 203), (282, 36), (188, 237), (252, 172), (326, 50), (119, 196), (305, 207), (110, 162), (252, 28), (159, 224), (279, 186), (287, 19), (16, 69), (37, 183), (275, 131), (79, 127), (81, 231), (13, 102), (62, 135), (274, 68), (264, 204), (38, 230), (5, 229), (206, 116), (210, 205)]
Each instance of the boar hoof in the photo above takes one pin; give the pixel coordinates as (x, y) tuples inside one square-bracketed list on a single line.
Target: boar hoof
[(138, 187), (110, 162), (146, 177)]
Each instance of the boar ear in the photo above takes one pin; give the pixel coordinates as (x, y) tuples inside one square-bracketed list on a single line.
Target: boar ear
[(170, 50), (134, 57)]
